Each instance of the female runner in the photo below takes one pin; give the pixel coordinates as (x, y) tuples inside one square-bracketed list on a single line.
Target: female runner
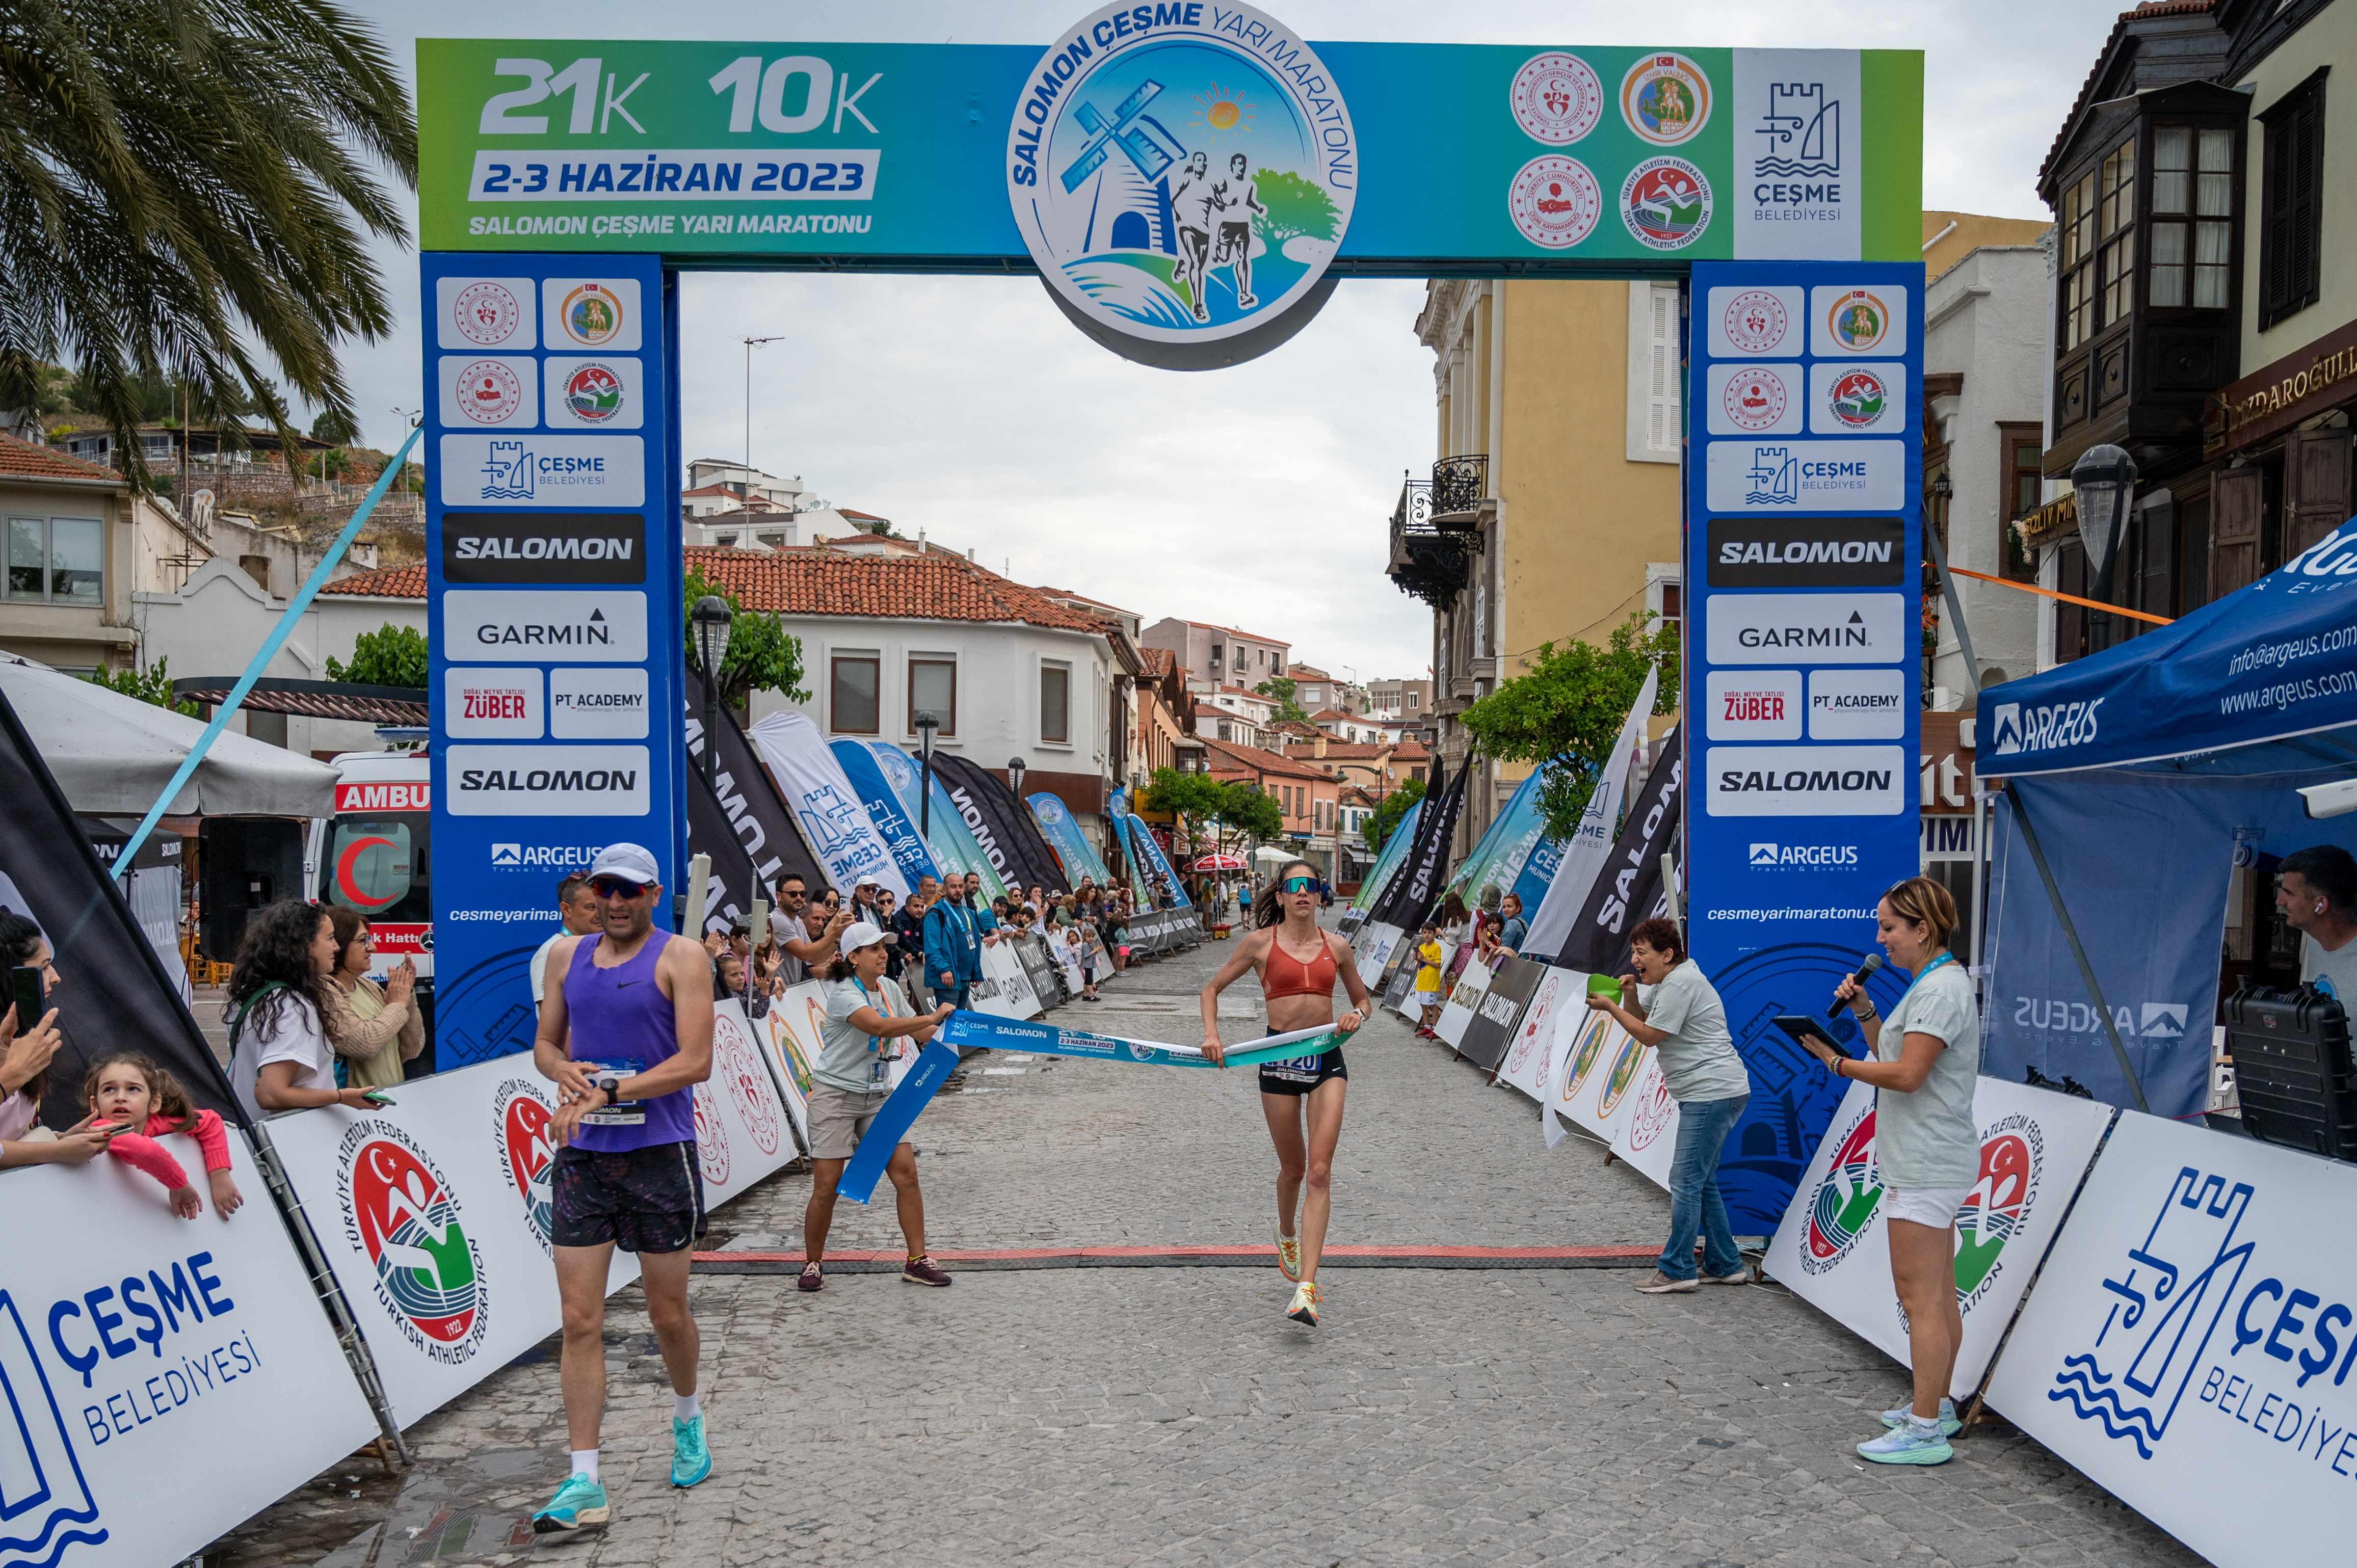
[(1297, 964)]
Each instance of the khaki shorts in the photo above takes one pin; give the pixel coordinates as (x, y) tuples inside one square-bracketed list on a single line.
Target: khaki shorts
[(839, 1119)]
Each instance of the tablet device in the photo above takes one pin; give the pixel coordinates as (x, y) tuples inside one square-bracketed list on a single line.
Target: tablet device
[(1803, 1028)]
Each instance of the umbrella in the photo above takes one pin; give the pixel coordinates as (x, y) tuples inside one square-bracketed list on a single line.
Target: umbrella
[(1270, 854), (1220, 863)]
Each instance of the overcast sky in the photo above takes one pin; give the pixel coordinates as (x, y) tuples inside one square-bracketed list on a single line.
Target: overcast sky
[(1256, 494)]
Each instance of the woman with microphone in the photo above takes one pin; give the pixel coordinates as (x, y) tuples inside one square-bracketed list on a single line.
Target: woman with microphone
[(1927, 1057)]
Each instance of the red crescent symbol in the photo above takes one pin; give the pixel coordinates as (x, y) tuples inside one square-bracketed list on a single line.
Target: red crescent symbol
[(344, 885)]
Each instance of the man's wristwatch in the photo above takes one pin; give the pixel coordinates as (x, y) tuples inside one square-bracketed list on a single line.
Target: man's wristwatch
[(611, 1088)]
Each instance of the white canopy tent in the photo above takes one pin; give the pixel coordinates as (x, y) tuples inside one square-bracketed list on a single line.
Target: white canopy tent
[(112, 754)]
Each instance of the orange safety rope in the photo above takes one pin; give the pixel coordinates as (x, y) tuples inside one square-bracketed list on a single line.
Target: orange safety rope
[(2066, 598)]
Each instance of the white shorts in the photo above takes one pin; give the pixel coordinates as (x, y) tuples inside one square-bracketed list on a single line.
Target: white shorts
[(1933, 1205)]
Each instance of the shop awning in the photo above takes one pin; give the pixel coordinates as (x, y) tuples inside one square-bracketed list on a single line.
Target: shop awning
[(2269, 664)]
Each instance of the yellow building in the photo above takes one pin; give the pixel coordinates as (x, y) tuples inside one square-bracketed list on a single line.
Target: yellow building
[(1552, 512)]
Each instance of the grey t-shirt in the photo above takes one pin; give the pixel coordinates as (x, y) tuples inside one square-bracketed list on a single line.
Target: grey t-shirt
[(1928, 1139), (1698, 1060), (852, 1058), (2335, 971)]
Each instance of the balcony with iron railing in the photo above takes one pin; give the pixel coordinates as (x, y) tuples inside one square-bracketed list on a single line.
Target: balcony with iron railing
[(1427, 562), (1460, 485)]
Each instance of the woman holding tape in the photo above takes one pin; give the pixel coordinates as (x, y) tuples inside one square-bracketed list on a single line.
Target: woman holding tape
[(1297, 961), (1925, 1065)]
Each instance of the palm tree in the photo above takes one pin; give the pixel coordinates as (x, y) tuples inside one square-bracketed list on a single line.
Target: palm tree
[(183, 184)]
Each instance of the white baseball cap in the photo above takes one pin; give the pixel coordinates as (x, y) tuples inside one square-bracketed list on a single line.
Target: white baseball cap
[(628, 861), (865, 933)]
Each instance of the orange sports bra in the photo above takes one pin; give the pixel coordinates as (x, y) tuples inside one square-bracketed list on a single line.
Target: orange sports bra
[(1289, 976)]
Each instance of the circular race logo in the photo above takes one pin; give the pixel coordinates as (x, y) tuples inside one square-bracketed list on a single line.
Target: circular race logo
[(1623, 1073), (1755, 322), (2013, 1156), (1665, 203), (789, 1049), (488, 391), (1858, 399), (1584, 1049), (734, 1061), (1556, 99), (528, 1158), (592, 315), (1844, 1200), (1554, 201), (486, 312), (1665, 99), (1172, 183), (1858, 320), (429, 1274), (711, 1139), (1754, 399), (1652, 1114), (593, 393)]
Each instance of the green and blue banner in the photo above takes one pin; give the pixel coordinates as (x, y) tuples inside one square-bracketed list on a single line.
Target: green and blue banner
[(1387, 860), (1147, 853), (882, 804), (1064, 836)]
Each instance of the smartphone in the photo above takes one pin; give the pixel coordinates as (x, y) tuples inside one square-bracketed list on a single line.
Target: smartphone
[(25, 992), (378, 1096)]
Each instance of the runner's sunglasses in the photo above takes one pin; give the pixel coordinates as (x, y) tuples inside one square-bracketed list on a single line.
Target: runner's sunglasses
[(1299, 884), (609, 887)]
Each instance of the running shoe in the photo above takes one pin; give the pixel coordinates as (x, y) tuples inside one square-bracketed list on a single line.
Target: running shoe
[(923, 1272), (813, 1278), (1304, 1309), (1660, 1284), (1289, 1256), (1741, 1276), (691, 1461), (1949, 1424), (1908, 1446), (579, 1504)]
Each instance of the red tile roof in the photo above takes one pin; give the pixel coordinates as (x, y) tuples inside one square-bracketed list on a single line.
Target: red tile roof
[(913, 587), (1226, 756), (386, 582), (22, 459), (1160, 663), (1238, 631)]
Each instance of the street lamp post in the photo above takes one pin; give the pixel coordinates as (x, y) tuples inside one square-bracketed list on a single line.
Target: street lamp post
[(750, 344), (926, 726), (1015, 775), (710, 620), (2102, 482)]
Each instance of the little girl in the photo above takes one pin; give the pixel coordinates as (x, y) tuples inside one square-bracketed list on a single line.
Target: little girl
[(129, 1090), (1430, 951)]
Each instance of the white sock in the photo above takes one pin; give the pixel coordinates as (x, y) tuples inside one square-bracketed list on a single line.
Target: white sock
[(685, 1407), (1924, 1426), (585, 1462)]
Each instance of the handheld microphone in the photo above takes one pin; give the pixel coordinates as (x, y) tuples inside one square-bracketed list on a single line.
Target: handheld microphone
[(1872, 961)]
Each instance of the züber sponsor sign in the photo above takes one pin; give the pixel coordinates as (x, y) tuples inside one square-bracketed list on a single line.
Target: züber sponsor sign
[(1834, 1247), (2192, 1342), (436, 1216), (161, 1379)]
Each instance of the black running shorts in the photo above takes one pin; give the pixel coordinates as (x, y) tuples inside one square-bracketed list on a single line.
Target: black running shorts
[(643, 1201), (1299, 1075)]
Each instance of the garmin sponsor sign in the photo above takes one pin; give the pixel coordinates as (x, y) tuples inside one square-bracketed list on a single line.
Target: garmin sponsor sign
[(584, 627), (1806, 628), (1806, 781), (557, 547), (547, 781), (1807, 551)]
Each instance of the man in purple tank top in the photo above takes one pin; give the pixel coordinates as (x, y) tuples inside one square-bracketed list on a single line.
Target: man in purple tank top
[(636, 1004)]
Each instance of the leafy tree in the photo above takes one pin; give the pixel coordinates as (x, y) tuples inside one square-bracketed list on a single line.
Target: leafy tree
[(1285, 691), (1295, 206), (187, 193), (1230, 809), (335, 427), (761, 656), (1565, 713), (1377, 828), (152, 685), (389, 656)]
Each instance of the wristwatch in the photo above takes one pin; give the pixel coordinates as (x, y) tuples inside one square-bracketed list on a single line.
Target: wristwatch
[(612, 1089)]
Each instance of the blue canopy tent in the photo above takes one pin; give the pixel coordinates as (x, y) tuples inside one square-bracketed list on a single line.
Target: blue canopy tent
[(2141, 778)]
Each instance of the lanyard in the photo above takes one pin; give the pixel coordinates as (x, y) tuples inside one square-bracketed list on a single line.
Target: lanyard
[(1943, 958)]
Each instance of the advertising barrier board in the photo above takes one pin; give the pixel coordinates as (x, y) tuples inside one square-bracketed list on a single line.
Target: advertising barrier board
[(1595, 1064), (790, 1033), (2191, 1345), (1499, 1011), (161, 1379), (1003, 990), (1833, 1248), (1646, 1136), (435, 1214), (1465, 993), (1531, 1051), (741, 1133)]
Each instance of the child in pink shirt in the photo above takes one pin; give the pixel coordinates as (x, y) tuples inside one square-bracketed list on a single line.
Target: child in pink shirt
[(131, 1090)]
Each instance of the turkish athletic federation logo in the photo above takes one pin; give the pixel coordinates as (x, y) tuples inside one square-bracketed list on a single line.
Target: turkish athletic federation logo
[(2013, 1157), (1846, 1200), (1181, 175), (1858, 399), (520, 1115), (1557, 98), (403, 1217), (1554, 201), (1665, 99), (593, 393), (1665, 203)]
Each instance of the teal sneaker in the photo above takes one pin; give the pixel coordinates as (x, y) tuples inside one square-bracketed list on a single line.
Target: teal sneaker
[(1908, 1446), (579, 1504), (691, 1461), (1949, 1424)]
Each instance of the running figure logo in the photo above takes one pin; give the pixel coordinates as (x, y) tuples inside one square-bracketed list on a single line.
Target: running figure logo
[(1237, 200)]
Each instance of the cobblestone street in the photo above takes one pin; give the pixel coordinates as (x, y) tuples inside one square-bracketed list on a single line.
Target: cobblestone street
[(1119, 1415)]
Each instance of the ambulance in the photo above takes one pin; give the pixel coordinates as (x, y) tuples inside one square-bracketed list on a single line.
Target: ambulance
[(372, 854)]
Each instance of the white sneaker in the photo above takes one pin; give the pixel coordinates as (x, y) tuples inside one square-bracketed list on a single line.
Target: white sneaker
[(1660, 1284)]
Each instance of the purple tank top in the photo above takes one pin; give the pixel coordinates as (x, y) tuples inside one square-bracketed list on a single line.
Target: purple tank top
[(620, 1019)]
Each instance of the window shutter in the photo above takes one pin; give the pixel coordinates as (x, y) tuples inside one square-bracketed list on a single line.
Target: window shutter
[(2237, 502), (2308, 196)]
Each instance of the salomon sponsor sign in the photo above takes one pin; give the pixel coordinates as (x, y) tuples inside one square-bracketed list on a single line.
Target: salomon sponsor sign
[(591, 547), (1810, 553), (2190, 1346)]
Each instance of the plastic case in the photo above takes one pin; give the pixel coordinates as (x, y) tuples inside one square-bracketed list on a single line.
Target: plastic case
[(2292, 1065)]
